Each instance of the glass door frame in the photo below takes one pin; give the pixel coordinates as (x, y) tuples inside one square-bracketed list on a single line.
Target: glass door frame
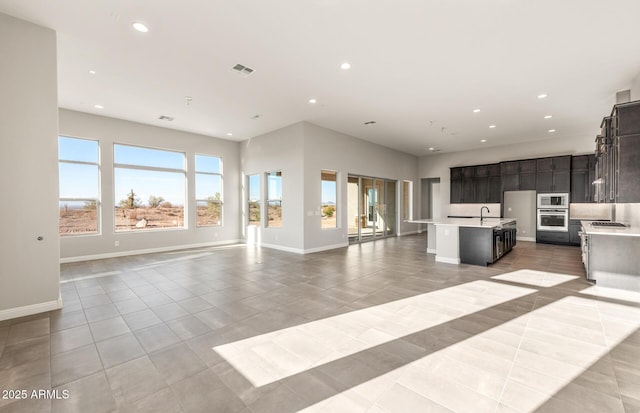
[(376, 188)]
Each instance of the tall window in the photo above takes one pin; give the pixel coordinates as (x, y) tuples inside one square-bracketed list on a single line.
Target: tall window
[(274, 199), (329, 181), (149, 187), (407, 200), (254, 199), (208, 190), (79, 186)]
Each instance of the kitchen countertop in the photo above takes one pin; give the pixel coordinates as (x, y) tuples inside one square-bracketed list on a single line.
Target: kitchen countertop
[(467, 222), (628, 231)]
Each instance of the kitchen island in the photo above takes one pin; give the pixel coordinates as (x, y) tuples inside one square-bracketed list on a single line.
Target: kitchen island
[(611, 255), (469, 240)]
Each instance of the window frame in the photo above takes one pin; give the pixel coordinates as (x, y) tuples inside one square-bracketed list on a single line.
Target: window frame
[(407, 200), (183, 171), (97, 200), (336, 209), (268, 199), (221, 200), (258, 201)]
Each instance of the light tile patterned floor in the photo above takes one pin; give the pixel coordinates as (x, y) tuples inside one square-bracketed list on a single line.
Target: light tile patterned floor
[(273, 356), (379, 327)]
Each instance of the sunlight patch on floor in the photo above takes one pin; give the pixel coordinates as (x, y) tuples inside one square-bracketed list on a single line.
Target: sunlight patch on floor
[(607, 292), (514, 367), (537, 278), (273, 356)]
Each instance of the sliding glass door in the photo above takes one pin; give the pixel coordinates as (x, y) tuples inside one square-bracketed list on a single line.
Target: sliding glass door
[(371, 208)]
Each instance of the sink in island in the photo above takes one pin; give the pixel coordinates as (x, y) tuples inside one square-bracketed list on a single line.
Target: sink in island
[(469, 240)]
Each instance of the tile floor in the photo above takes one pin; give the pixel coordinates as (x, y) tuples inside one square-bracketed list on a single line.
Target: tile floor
[(377, 327)]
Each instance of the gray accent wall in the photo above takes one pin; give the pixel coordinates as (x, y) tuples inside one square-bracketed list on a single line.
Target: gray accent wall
[(109, 131), (327, 149), (281, 150), (29, 268), (301, 151)]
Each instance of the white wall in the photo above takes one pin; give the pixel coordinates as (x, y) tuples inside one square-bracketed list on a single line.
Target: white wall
[(635, 88), (331, 150), (437, 166), (29, 269), (109, 131), (301, 151), (281, 150), (628, 213), (521, 205)]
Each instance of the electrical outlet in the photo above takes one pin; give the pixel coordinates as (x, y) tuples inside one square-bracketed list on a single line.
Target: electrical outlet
[(116, 243)]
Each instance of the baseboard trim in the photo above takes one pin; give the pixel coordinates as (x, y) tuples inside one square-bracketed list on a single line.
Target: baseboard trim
[(26, 310), (281, 248), (147, 251), (431, 250), (446, 260), (527, 239), (326, 248), (411, 233)]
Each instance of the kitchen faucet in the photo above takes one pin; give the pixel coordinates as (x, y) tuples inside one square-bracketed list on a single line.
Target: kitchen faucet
[(481, 218)]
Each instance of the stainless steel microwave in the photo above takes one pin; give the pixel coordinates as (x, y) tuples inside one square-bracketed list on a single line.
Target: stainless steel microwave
[(553, 200)]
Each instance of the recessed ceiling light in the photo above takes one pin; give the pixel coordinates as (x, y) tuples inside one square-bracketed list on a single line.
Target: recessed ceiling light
[(492, 126), (345, 66), (432, 149), (312, 101), (98, 106), (551, 130), (548, 117), (92, 72), (476, 110), (542, 96), (483, 140), (229, 134), (140, 27)]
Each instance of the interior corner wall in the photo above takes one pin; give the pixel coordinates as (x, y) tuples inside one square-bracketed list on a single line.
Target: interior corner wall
[(280, 150), (109, 131), (635, 88), (29, 246), (330, 150), (437, 166)]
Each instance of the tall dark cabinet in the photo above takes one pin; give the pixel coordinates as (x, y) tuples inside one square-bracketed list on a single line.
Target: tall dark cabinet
[(475, 184), (554, 174), (519, 175), (618, 156), (582, 177)]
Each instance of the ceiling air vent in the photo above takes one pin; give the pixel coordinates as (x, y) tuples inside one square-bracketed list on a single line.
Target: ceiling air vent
[(242, 70), (167, 118), (370, 122)]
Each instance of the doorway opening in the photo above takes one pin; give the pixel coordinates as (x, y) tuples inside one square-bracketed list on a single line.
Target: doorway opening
[(430, 205)]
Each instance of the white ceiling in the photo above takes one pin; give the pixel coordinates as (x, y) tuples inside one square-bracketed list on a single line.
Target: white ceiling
[(419, 67)]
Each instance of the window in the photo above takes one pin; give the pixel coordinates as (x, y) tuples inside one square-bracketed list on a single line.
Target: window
[(208, 190), (79, 173), (274, 199), (329, 181), (149, 187), (254, 199), (407, 200)]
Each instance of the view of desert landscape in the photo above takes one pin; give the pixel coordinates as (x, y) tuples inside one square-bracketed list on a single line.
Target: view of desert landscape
[(83, 220)]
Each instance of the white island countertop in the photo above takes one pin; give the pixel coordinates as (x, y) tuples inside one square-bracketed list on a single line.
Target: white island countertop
[(467, 222), (627, 231)]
